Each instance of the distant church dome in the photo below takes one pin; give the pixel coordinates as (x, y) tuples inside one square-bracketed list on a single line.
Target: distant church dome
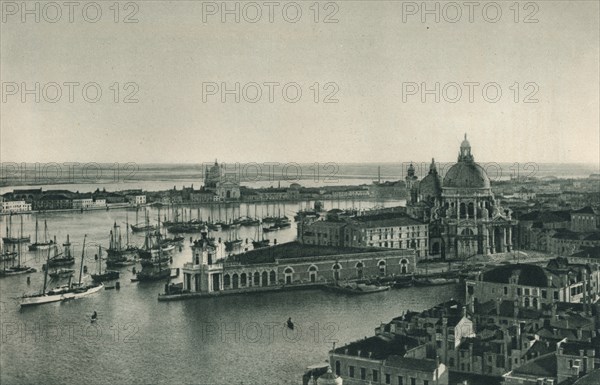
[(466, 173)]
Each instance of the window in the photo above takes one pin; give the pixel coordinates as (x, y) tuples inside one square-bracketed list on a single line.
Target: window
[(337, 368), (555, 294), (375, 374), (544, 294), (363, 373), (526, 291), (425, 382), (400, 380), (351, 371), (451, 361), (505, 290), (519, 291), (413, 381), (388, 379)]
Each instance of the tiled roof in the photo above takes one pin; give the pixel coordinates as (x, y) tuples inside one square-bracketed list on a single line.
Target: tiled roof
[(417, 364), (528, 275), (585, 210), (543, 366), (379, 348)]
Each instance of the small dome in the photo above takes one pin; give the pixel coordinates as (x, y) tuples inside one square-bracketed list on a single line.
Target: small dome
[(466, 175), (465, 143), (329, 378)]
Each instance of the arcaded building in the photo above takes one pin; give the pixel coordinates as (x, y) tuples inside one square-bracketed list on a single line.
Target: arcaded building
[(464, 217)]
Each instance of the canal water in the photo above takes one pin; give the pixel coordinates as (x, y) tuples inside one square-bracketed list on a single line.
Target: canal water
[(138, 340)]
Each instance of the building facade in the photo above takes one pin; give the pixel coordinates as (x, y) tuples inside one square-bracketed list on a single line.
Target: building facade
[(464, 217)]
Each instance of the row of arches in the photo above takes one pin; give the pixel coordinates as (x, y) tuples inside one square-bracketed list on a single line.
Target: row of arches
[(336, 268), (235, 280)]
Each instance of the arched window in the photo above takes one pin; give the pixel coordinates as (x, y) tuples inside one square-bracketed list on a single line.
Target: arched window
[(381, 266), (312, 273), (336, 271), (243, 280), (272, 277), (359, 270), (265, 278), (256, 279), (337, 368), (235, 281), (403, 266), (226, 280), (289, 274), (526, 301), (463, 210)]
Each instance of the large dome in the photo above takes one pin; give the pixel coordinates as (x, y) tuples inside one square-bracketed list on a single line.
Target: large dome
[(466, 174)]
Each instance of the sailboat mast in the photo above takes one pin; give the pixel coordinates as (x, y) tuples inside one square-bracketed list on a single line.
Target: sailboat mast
[(36, 230), (82, 255), (46, 271), (127, 227), (99, 259), (45, 231), (19, 244)]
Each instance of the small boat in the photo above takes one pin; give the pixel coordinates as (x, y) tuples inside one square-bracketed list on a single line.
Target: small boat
[(260, 244), (435, 281), (290, 324), (63, 259), (61, 273), (358, 289)]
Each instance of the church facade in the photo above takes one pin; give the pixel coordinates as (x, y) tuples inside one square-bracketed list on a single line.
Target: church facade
[(225, 186), (464, 217)]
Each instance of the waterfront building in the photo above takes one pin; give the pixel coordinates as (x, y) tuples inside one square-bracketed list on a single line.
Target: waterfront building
[(391, 230), (290, 264), (226, 186), (464, 217), (565, 242), (534, 286), (53, 201), (9, 207)]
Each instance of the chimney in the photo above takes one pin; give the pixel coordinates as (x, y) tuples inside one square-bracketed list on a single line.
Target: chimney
[(358, 353), (554, 331), (579, 333), (464, 311)]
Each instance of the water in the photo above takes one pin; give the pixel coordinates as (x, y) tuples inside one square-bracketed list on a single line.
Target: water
[(152, 177), (138, 340)]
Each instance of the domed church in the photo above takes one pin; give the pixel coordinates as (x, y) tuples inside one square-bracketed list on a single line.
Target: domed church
[(463, 215)]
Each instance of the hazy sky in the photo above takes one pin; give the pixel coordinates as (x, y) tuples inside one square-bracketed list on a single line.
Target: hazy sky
[(373, 56)]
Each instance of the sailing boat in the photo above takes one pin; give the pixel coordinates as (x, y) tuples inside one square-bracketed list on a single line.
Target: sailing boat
[(260, 240), (8, 240), (19, 269), (149, 270), (232, 243), (41, 245), (62, 293), (144, 226), (108, 275), (117, 255), (62, 259)]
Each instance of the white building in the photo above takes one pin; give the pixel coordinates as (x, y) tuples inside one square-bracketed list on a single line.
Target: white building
[(15, 206)]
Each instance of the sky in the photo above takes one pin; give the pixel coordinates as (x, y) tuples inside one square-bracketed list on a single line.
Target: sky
[(369, 73)]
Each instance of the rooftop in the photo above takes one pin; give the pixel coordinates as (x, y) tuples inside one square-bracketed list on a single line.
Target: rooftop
[(528, 275), (296, 250), (418, 364), (378, 347), (543, 366)]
